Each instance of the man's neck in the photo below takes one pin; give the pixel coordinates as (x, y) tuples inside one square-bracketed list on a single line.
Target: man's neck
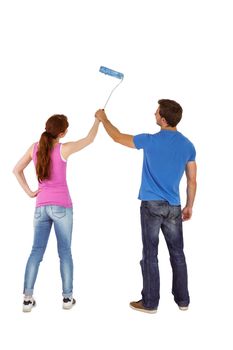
[(168, 128)]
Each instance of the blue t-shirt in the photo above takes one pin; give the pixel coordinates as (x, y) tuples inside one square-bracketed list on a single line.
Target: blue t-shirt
[(166, 154)]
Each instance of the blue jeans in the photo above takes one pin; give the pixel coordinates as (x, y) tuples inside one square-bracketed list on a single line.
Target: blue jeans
[(156, 215), (44, 217)]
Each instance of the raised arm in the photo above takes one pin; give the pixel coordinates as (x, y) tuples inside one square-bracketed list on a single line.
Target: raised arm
[(72, 147), (113, 132), (19, 172), (191, 173)]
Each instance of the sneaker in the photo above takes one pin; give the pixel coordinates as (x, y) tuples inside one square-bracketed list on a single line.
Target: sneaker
[(68, 303), (28, 304), (137, 305), (183, 308)]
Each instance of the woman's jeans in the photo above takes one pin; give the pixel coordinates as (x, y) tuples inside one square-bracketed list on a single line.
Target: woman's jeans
[(156, 215), (44, 217)]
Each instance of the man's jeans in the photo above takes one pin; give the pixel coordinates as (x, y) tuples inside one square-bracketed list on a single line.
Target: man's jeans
[(44, 217), (156, 215)]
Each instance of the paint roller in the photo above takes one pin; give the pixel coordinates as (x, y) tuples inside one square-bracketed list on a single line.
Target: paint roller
[(112, 73)]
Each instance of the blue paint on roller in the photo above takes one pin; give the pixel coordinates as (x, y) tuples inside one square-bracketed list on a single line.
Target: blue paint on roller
[(111, 72)]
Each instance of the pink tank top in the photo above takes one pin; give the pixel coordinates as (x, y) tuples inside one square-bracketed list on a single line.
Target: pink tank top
[(54, 191)]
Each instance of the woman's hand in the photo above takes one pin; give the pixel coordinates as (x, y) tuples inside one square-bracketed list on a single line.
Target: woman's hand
[(33, 194)]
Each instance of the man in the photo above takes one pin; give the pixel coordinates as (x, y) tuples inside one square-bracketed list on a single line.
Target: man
[(167, 155)]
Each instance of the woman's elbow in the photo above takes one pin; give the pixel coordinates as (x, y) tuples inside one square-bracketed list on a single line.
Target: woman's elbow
[(91, 140), (15, 170)]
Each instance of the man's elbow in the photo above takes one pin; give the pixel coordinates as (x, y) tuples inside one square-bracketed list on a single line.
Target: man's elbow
[(116, 139), (192, 183)]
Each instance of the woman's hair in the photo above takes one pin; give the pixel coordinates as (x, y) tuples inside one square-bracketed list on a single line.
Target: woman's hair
[(171, 111), (54, 126)]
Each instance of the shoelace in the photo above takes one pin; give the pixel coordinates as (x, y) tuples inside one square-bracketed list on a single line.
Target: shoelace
[(66, 300)]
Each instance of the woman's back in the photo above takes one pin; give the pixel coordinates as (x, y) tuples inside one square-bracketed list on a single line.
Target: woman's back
[(54, 191)]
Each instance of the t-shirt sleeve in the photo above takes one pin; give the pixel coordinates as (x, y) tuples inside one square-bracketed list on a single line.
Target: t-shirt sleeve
[(141, 141), (192, 156)]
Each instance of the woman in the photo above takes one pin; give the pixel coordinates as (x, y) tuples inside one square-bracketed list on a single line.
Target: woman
[(53, 203)]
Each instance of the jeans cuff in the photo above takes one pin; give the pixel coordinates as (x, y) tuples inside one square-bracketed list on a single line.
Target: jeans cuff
[(150, 307), (67, 295), (28, 292)]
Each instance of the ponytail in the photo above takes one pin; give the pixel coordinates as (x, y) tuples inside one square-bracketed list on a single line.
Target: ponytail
[(55, 125), (43, 156)]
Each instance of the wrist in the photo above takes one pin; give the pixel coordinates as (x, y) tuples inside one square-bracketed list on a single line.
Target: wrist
[(105, 120), (29, 192), (189, 207)]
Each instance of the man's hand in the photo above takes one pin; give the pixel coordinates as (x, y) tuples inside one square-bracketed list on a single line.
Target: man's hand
[(100, 115), (186, 213)]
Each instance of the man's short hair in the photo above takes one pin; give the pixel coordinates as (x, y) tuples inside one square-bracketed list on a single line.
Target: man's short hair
[(171, 111)]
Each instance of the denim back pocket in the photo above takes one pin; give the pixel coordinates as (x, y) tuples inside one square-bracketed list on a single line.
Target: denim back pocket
[(58, 211), (175, 212), (37, 213)]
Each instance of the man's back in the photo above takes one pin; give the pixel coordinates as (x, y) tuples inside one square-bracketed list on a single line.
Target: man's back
[(166, 154)]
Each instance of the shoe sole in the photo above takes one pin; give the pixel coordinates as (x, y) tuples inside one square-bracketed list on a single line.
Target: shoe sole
[(183, 308), (66, 307), (147, 311)]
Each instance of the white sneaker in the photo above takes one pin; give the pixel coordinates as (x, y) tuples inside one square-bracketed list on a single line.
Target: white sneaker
[(28, 304), (68, 303), (183, 308)]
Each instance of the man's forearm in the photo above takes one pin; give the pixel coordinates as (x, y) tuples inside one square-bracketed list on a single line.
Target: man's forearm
[(112, 131), (191, 192)]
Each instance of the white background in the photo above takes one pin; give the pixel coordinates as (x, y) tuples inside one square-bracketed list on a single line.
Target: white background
[(51, 52)]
